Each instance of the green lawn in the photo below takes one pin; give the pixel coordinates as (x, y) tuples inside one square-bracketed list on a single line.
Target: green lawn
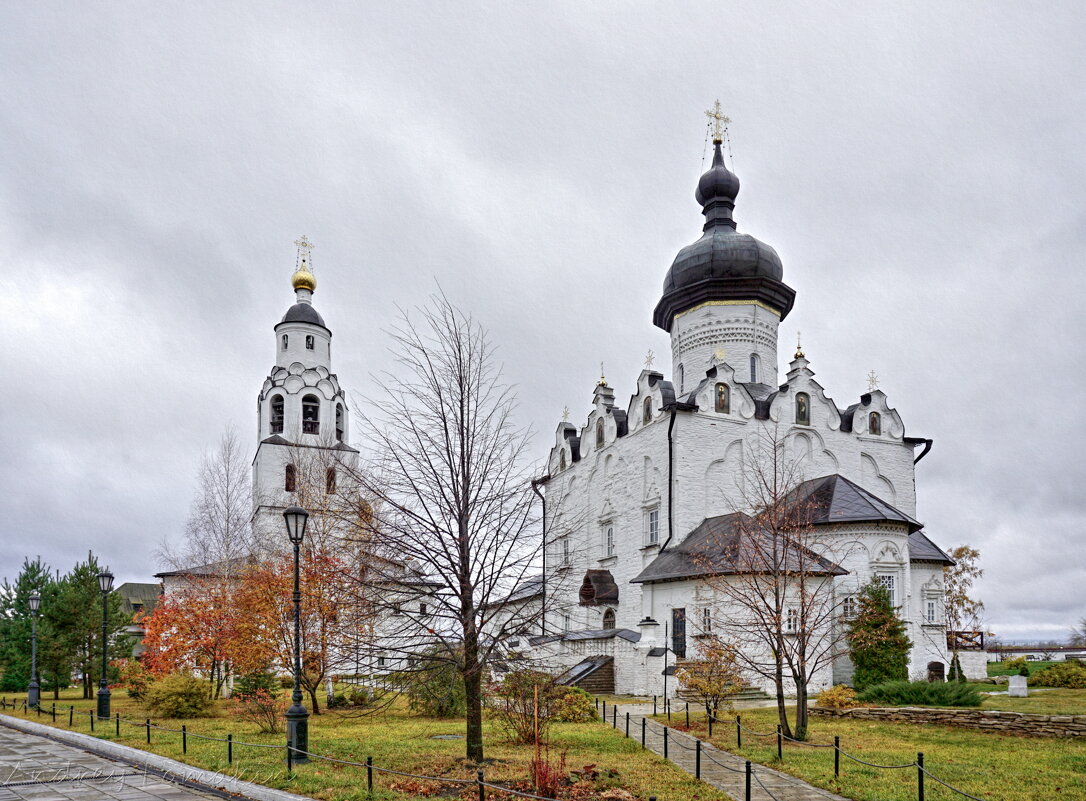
[(990, 766), (1001, 669), (398, 741)]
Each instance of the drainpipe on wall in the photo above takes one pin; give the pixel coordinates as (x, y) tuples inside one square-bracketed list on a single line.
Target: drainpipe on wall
[(670, 478), (543, 602), (927, 443)]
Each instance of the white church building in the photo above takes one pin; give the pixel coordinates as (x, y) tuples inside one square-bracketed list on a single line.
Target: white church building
[(638, 497)]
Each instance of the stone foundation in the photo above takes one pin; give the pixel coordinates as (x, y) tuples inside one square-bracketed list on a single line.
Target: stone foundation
[(998, 722)]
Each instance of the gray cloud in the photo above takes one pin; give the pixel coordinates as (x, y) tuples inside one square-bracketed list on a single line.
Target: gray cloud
[(917, 167)]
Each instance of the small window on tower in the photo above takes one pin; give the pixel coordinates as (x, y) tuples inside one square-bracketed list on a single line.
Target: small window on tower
[(309, 342), (647, 417), (723, 399), (874, 423), (609, 541), (286, 341), (277, 414), (290, 482), (754, 368), (679, 377), (339, 422), (311, 415), (330, 480), (562, 460), (609, 619), (599, 433), (803, 409)]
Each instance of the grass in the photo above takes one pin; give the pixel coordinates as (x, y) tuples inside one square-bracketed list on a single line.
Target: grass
[(395, 740), (989, 766), (1039, 702), (1001, 669)]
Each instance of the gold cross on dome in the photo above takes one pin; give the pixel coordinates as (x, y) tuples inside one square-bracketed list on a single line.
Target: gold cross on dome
[(650, 357), (720, 122), (304, 247), (872, 381), (603, 381)]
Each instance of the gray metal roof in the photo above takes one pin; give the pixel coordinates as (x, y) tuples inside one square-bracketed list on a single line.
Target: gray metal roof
[(921, 549), (835, 499), (602, 634), (226, 567), (531, 587), (303, 313), (727, 545)]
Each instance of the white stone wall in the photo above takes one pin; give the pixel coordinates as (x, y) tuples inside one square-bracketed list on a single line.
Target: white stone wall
[(737, 329)]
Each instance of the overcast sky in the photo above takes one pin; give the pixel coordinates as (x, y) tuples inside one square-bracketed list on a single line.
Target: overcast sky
[(918, 167)]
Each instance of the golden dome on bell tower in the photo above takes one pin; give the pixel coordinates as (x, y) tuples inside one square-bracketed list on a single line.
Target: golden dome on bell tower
[(303, 277)]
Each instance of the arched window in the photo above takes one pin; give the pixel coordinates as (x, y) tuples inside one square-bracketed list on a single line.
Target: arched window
[(330, 480), (754, 365), (311, 415), (679, 373), (647, 416), (277, 414), (723, 399), (309, 342), (874, 423), (290, 482), (803, 409), (609, 619), (599, 433), (339, 422), (562, 460), (286, 341)]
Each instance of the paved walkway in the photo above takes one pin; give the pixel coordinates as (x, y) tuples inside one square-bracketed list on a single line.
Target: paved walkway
[(34, 768), (721, 769)]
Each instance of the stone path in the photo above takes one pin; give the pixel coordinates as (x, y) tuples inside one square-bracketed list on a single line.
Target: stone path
[(34, 768), (721, 769)]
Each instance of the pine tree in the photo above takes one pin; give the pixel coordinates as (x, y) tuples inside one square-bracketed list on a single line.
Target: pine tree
[(878, 644), (15, 625)]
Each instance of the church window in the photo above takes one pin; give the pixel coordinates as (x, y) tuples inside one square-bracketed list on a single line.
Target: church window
[(874, 423), (277, 414), (803, 409), (723, 399), (565, 551), (848, 607), (706, 620), (567, 622), (888, 581), (290, 481), (791, 623), (609, 619), (309, 342), (679, 377), (422, 610), (653, 521), (647, 416), (286, 341), (562, 460), (311, 415), (930, 612), (599, 433), (339, 422), (754, 365), (380, 661), (330, 480), (609, 541)]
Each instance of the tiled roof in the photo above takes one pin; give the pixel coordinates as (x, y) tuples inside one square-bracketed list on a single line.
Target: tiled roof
[(835, 499)]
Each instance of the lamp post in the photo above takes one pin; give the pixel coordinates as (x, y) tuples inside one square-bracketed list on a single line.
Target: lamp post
[(33, 692), (297, 715), (105, 583)]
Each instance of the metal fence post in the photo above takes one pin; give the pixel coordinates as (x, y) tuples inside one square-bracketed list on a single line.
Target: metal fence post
[(711, 716), (738, 731), (697, 759), (665, 742), (746, 794), (920, 776), (654, 706), (614, 716), (667, 707), (118, 720), (71, 715), (54, 710), (184, 739), (90, 714), (836, 756), (369, 775), (627, 724), (780, 743), (688, 714), (148, 731), (642, 731), (482, 787), (597, 705), (604, 711), (230, 749), (290, 757)]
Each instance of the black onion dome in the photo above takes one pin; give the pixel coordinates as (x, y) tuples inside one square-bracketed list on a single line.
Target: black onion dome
[(303, 313), (724, 264)]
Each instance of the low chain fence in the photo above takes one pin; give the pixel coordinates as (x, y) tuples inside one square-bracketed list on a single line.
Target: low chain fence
[(751, 774)]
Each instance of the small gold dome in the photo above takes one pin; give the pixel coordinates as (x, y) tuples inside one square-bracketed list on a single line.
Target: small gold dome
[(303, 279)]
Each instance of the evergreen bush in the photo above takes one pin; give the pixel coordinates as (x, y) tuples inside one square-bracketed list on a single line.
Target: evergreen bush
[(575, 706), (1071, 675), (921, 693), (878, 644), (179, 695)]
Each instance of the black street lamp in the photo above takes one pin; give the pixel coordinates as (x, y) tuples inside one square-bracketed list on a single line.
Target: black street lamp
[(33, 692), (105, 583), (297, 715)]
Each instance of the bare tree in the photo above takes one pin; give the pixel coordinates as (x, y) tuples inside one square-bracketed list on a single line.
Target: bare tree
[(1077, 636), (961, 611), (774, 584), (218, 528), (456, 527)]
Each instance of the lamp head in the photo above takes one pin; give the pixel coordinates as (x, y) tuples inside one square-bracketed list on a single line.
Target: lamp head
[(296, 518), (105, 581), (35, 603)]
